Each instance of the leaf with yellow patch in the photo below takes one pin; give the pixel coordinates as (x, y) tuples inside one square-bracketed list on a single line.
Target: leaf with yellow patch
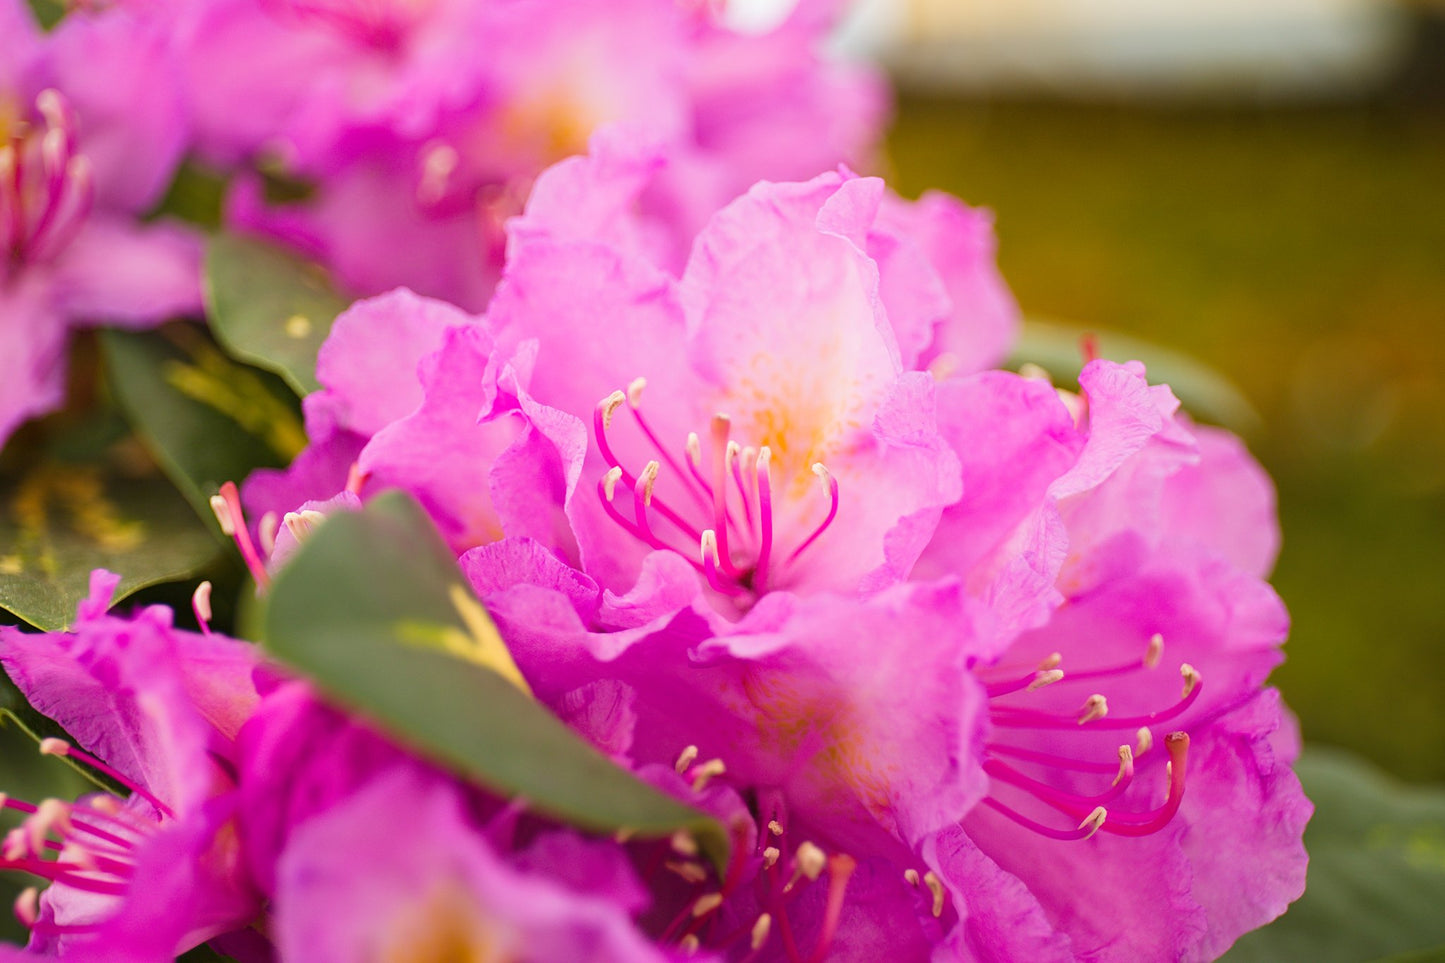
[(374, 609)]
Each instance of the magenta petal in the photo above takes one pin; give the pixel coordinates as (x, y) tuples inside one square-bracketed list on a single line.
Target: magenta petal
[(438, 887), (118, 273), (32, 341)]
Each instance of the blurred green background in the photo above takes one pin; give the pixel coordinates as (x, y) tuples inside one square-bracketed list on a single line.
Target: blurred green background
[(1300, 251)]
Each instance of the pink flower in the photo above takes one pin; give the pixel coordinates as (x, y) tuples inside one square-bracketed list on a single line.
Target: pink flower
[(91, 128), (419, 149), (157, 711)]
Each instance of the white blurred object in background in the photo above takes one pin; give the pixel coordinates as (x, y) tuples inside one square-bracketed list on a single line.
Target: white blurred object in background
[(1133, 47)]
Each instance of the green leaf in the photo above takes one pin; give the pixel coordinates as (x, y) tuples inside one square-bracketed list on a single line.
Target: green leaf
[(1377, 870), (269, 308), (206, 419), (57, 522), (375, 610), (1206, 393)]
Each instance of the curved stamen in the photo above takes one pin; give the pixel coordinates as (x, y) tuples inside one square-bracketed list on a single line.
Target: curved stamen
[(642, 499), (710, 566), (601, 422), (59, 747), (1003, 772), (634, 403), (721, 427), (742, 461), (606, 489), (1084, 830), (1049, 759), (765, 518), (232, 519), (830, 486), (1013, 717)]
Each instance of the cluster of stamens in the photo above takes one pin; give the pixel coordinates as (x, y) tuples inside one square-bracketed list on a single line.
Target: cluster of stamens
[(1090, 813), (46, 186), (781, 877), (87, 845), (745, 471)]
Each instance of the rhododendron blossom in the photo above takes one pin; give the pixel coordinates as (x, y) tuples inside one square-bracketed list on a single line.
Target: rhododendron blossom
[(924, 618), (156, 711), (91, 128), (417, 148)]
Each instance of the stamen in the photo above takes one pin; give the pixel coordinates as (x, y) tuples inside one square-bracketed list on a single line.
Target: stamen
[(765, 517), (694, 461), (1051, 661), (840, 869), (761, 929), (775, 827), (1049, 832), (1155, 651), (201, 605), (302, 524), (743, 467), (685, 758), (683, 843), (770, 856), (710, 566), (830, 487), (1012, 717), (721, 426), (634, 392), (689, 944), (935, 886), (27, 906), (1144, 824), (59, 747), (642, 500), (270, 523), (1191, 679), (233, 523), (704, 773), (910, 876), (608, 406), (690, 872), (1094, 821), (1095, 707), (706, 903), (1058, 798), (1144, 741), (609, 482)]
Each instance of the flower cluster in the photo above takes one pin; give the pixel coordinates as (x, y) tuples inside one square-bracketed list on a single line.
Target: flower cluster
[(965, 665)]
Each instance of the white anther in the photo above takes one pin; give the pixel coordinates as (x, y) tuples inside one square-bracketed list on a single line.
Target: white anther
[(935, 886), (610, 405), (201, 601), (704, 773), (694, 449), (634, 392), (1094, 820), (706, 904), (765, 462), (770, 856), (910, 876), (775, 827), (649, 479), (1143, 741), (27, 906), (1191, 678), (685, 758), (15, 846), (301, 524), (437, 164), (821, 470), (1033, 372), (1155, 652), (761, 929), (690, 872), (1046, 677), (609, 482), (683, 843), (810, 860), (54, 747), (1095, 707), (51, 814), (1052, 662), (223, 516), (270, 523), (709, 548), (731, 453), (109, 805), (1126, 763), (689, 944)]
